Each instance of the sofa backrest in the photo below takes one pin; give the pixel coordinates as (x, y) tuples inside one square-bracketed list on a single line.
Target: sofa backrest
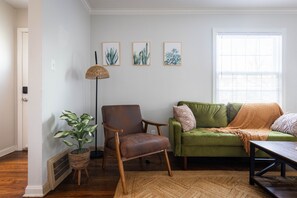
[(232, 110), (207, 114)]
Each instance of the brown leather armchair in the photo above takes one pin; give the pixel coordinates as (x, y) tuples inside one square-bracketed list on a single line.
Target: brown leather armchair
[(126, 137)]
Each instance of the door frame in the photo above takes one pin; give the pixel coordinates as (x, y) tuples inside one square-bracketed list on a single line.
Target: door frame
[(20, 32)]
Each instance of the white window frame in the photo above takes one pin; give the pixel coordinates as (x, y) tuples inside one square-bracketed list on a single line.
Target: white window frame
[(278, 31)]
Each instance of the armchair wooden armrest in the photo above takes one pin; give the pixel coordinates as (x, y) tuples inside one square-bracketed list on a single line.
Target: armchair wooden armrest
[(158, 125), (153, 123)]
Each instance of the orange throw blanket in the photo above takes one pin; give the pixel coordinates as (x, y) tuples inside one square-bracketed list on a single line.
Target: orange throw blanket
[(252, 122)]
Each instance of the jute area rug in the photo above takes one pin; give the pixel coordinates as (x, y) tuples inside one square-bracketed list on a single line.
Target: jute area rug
[(186, 184)]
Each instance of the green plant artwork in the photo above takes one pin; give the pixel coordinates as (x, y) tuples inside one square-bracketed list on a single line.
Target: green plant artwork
[(111, 53), (173, 57), (111, 56), (172, 54), (141, 54)]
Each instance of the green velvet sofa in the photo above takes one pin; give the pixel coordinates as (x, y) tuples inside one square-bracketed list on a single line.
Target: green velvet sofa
[(200, 142)]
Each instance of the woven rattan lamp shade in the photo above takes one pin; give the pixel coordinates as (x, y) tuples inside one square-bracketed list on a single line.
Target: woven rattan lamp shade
[(97, 71)]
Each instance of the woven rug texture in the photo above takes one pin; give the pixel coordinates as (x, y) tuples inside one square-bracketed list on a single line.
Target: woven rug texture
[(187, 184)]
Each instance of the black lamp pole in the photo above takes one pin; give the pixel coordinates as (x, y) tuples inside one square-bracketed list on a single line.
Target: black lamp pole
[(96, 154)]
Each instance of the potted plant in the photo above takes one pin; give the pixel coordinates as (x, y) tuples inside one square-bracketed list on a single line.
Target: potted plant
[(81, 133)]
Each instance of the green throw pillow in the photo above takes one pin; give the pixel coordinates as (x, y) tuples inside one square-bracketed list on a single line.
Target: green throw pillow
[(208, 115)]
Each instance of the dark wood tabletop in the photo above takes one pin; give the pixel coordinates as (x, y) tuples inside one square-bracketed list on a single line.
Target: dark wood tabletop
[(287, 150)]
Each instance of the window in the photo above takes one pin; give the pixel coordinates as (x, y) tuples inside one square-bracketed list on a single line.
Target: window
[(247, 67)]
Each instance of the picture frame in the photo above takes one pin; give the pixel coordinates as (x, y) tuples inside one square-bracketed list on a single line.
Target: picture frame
[(141, 54), (111, 54), (172, 53)]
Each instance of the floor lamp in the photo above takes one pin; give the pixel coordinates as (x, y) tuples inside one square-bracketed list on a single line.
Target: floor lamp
[(96, 72)]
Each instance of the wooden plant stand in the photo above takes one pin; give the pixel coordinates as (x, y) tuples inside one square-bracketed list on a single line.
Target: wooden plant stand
[(78, 173)]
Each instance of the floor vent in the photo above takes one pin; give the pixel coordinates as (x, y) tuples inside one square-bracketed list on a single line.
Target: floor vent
[(58, 169)]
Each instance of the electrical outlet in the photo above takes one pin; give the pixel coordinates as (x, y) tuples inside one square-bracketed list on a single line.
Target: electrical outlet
[(153, 131), (53, 65)]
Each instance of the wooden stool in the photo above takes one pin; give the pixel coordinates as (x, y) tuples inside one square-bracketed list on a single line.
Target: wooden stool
[(78, 171)]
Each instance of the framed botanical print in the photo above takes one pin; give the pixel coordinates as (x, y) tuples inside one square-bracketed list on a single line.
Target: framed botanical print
[(111, 53), (172, 53), (141, 53)]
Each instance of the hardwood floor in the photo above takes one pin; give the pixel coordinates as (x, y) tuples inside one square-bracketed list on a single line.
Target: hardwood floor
[(102, 183), (13, 174)]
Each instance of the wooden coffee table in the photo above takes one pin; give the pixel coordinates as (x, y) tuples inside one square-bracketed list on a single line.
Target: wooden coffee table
[(282, 153)]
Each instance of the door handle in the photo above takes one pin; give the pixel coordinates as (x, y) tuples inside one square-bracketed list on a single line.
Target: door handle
[(24, 99)]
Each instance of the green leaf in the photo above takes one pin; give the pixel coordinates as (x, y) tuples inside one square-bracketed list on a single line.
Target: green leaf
[(93, 128), (70, 115), (62, 134), (68, 143), (89, 140), (85, 122), (86, 116), (64, 117)]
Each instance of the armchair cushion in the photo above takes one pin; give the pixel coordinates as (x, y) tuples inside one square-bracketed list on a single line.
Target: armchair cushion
[(136, 144)]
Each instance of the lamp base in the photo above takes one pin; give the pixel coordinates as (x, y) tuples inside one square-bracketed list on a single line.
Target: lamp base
[(96, 154)]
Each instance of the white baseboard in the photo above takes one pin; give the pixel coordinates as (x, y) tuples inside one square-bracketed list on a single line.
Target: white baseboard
[(8, 150), (37, 191), (34, 191)]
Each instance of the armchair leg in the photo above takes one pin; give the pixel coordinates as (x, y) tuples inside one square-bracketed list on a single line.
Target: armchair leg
[(160, 158), (168, 163), (104, 159), (140, 160), (122, 175)]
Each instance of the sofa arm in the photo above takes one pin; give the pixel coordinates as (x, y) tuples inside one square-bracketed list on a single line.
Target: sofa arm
[(175, 131)]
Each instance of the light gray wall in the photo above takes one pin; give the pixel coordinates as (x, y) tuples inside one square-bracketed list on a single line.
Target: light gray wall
[(66, 41), (7, 78), (59, 32), (157, 88)]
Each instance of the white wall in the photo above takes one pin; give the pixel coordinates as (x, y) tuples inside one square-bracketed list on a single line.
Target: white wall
[(7, 78), (66, 41), (10, 19), (157, 88), (35, 180), (22, 18), (62, 35)]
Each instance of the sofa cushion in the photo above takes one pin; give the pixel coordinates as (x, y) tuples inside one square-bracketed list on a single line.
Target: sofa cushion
[(185, 116), (208, 115), (203, 137)]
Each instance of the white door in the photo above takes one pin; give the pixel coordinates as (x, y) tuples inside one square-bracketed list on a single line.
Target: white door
[(23, 89)]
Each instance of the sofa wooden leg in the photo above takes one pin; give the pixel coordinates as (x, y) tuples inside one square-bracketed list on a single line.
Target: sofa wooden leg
[(185, 163)]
